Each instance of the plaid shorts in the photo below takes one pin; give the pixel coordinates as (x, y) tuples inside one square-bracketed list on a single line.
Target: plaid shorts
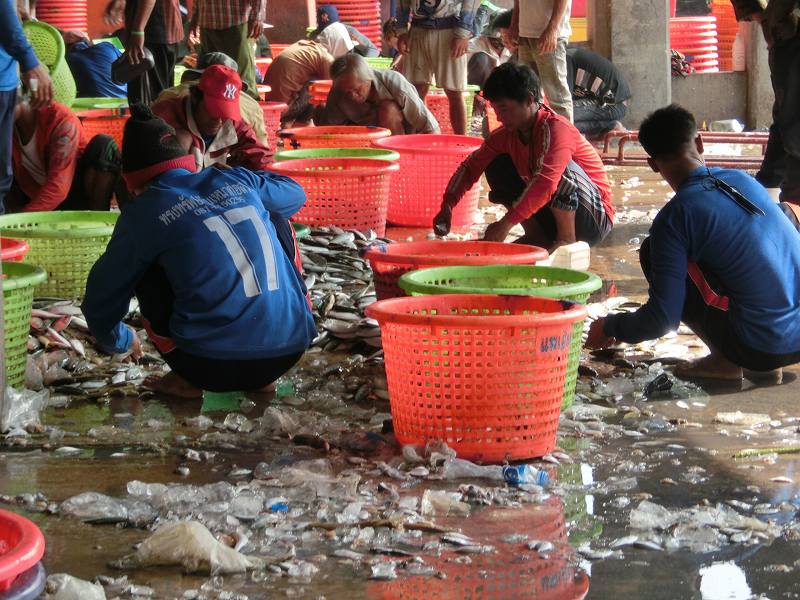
[(575, 192)]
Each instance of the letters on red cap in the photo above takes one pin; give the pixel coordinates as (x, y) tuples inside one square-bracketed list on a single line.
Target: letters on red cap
[(221, 87)]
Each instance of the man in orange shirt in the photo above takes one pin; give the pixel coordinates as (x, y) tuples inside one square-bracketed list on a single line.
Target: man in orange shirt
[(538, 166)]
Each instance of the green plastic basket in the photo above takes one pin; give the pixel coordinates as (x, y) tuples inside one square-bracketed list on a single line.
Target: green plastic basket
[(548, 282), (93, 103), (376, 153), (379, 62), (301, 231), (64, 243), (49, 47), (18, 285)]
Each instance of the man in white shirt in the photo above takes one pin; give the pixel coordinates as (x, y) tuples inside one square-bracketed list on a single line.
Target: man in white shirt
[(543, 30), (336, 39)]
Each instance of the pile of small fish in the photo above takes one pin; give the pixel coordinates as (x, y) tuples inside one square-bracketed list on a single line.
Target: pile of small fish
[(340, 283)]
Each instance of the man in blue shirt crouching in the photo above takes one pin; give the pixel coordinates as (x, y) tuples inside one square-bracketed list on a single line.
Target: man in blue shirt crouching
[(212, 259), (722, 257)]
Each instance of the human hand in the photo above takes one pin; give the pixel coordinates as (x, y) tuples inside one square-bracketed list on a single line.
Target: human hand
[(255, 29), (459, 47), (134, 48), (548, 41), (73, 36), (497, 232), (597, 338), (403, 45), (136, 346), (38, 81), (442, 221)]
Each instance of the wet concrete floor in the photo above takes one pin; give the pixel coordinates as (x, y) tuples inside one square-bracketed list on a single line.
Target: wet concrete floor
[(738, 572)]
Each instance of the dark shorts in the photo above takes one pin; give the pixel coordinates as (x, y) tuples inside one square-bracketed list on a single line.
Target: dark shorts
[(576, 192), (706, 313), (156, 298)]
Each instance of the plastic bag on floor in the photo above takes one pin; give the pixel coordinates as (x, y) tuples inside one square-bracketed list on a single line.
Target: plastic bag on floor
[(93, 507), (66, 587), (20, 409), (190, 545)]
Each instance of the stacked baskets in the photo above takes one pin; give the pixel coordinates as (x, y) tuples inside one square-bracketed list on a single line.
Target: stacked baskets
[(727, 28), (364, 15), (22, 546), (437, 103), (696, 38), (334, 136), (350, 193), (64, 14)]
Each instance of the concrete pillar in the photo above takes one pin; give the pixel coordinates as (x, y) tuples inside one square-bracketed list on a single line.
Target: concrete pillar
[(640, 48), (759, 87), (598, 15)]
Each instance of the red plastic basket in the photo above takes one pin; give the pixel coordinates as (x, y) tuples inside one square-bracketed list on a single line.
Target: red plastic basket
[(427, 162), (439, 105), (272, 118), (486, 374), (13, 250), (263, 64), (351, 193), (319, 91), (337, 136), (108, 121), (21, 547), (389, 262)]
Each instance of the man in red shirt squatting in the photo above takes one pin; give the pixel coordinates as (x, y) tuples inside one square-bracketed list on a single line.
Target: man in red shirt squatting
[(538, 166)]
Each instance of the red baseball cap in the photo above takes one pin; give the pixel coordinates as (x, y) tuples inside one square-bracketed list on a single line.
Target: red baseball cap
[(221, 87)]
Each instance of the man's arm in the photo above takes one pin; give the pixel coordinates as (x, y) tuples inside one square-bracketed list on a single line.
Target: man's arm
[(466, 18), (668, 270), (332, 113), (134, 45), (414, 110), (279, 194), (110, 287), (746, 9), (248, 151), (549, 38), (13, 40), (258, 13), (62, 160), (468, 173)]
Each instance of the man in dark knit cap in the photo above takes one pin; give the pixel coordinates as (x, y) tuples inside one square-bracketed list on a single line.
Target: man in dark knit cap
[(212, 259)]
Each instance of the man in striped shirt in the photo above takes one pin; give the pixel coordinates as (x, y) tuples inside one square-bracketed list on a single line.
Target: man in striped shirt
[(227, 26)]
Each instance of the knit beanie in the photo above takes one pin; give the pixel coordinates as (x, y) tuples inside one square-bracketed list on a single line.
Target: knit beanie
[(150, 147)]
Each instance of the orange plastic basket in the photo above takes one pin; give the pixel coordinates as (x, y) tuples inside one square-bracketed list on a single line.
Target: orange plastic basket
[(338, 136), (391, 261), (427, 162), (263, 64), (272, 118), (108, 121), (13, 250), (351, 193), (486, 374), (439, 106), (319, 91)]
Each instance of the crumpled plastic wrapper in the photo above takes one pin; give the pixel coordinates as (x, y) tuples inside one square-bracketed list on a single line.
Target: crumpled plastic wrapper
[(20, 409), (190, 545), (66, 587)]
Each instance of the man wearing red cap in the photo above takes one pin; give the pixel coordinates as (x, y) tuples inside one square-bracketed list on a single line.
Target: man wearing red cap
[(210, 126)]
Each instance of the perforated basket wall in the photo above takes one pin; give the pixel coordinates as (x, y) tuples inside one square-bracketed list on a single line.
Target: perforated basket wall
[(427, 162), (486, 374), (66, 244), (18, 287), (351, 193)]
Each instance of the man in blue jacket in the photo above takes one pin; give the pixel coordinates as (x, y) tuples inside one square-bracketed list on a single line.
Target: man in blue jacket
[(722, 257), (211, 258), (14, 49)]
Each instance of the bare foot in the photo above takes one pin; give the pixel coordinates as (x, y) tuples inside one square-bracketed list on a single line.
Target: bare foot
[(172, 384), (765, 377), (709, 367)]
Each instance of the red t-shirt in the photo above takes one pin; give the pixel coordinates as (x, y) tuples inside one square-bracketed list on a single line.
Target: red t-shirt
[(540, 164)]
